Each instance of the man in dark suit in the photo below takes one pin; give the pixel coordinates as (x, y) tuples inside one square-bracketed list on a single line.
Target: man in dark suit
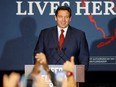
[(60, 42)]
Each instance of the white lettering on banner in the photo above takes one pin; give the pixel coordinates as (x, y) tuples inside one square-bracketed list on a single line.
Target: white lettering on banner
[(109, 8), (40, 8), (30, 8), (86, 8), (96, 7), (19, 9), (54, 6)]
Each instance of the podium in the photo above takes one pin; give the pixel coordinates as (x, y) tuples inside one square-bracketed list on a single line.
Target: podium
[(80, 74), (79, 71)]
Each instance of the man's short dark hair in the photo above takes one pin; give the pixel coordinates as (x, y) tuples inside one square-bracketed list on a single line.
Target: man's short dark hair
[(63, 8)]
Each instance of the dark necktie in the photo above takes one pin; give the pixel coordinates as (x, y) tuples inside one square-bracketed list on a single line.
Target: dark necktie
[(61, 41)]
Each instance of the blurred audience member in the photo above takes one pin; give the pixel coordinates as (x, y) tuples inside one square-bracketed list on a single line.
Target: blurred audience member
[(13, 80), (69, 68)]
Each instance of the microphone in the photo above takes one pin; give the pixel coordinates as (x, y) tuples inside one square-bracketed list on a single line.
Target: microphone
[(56, 48), (61, 54), (63, 49), (64, 52)]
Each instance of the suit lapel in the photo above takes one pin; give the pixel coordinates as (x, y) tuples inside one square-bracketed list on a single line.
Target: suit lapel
[(55, 36)]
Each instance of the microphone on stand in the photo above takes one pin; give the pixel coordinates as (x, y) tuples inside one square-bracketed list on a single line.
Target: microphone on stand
[(60, 54)]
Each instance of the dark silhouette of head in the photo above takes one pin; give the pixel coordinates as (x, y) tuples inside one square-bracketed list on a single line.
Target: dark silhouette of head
[(112, 26), (27, 26)]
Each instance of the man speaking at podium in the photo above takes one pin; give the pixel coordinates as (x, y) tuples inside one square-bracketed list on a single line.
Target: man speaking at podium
[(62, 41)]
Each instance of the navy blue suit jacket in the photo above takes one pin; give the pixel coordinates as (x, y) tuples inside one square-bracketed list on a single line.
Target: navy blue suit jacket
[(75, 44)]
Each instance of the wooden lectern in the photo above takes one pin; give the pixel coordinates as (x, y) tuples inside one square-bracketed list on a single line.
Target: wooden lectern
[(80, 74)]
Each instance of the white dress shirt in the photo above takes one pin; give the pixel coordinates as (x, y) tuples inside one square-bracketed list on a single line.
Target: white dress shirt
[(59, 31)]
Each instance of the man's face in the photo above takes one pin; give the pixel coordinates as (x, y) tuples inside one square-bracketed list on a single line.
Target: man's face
[(63, 18)]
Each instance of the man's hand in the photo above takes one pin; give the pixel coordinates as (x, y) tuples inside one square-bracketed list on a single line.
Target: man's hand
[(41, 58), (69, 65)]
